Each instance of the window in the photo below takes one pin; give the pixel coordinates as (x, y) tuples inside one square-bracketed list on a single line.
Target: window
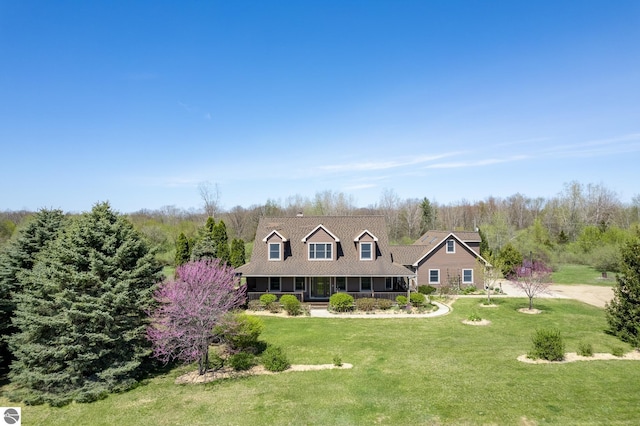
[(365, 283), (274, 283), (320, 251), (467, 276), (365, 251), (341, 284), (388, 283), (299, 285), (434, 276), (451, 246), (274, 251)]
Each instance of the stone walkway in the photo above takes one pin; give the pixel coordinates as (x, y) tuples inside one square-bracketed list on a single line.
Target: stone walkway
[(442, 310)]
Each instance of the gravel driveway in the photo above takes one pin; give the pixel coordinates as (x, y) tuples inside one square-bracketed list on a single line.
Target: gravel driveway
[(591, 294)]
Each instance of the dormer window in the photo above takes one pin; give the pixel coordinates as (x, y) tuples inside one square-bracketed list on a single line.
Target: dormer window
[(275, 251), (320, 251), (366, 251), (451, 246)]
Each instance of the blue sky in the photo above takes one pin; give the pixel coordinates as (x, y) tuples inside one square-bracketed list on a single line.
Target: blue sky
[(138, 102)]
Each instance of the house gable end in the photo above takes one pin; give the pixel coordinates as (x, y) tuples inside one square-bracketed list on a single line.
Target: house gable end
[(442, 245)]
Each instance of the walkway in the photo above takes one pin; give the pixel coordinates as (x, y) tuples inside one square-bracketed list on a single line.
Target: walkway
[(323, 313)]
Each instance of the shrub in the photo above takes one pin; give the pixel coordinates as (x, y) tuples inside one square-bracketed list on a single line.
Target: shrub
[(341, 302), (547, 344), (474, 317), (241, 361), (366, 304), (384, 304), (215, 361), (291, 304), (426, 289), (337, 360), (268, 299), (401, 300), (274, 359), (255, 305), (468, 290), (617, 351), (417, 299), (585, 349), (240, 332)]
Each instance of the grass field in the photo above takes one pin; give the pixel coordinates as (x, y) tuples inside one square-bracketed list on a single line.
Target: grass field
[(581, 274), (406, 371)]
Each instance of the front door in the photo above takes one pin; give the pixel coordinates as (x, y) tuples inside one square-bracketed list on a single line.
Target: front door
[(320, 287)]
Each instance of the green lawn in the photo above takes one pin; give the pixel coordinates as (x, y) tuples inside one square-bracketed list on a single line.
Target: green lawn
[(581, 274), (406, 371)]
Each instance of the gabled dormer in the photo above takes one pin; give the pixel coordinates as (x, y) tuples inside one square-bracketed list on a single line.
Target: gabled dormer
[(366, 244), (275, 242), (321, 244)]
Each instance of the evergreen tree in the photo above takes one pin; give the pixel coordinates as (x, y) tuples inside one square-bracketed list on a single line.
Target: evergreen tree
[(19, 256), (238, 256), (221, 242), (623, 312), (485, 251), (82, 314), (428, 221), (205, 247), (183, 250), (509, 259)]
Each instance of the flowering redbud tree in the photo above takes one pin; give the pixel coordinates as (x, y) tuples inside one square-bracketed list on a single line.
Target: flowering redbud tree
[(533, 278), (189, 307)]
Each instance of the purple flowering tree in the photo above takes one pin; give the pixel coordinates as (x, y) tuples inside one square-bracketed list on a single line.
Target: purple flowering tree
[(533, 278), (189, 307)]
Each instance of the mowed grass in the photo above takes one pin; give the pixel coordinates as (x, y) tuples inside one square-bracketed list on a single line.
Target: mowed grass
[(406, 371), (581, 274)]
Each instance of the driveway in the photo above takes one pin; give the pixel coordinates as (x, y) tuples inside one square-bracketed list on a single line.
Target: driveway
[(591, 294)]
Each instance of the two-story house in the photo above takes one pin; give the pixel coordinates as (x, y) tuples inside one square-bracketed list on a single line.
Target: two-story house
[(314, 257)]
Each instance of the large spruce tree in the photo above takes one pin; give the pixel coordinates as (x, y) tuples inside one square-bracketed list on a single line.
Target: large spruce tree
[(82, 313), (623, 312), (18, 257)]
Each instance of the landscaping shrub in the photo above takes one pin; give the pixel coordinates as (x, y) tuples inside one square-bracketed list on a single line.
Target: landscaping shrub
[(468, 290), (215, 361), (384, 304), (585, 349), (366, 304), (268, 299), (274, 359), (417, 299), (426, 289), (547, 344), (291, 304), (341, 302), (474, 317), (617, 351), (337, 361), (255, 305), (241, 361), (240, 332), (401, 300)]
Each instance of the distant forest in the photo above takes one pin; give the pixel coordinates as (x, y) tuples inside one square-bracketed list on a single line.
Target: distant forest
[(583, 224)]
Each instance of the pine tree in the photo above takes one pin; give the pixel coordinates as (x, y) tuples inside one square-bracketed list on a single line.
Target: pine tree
[(485, 251), (205, 247), (238, 255), (82, 314), (509, 259), (183, 250), (19, 256), (623, 312), (428, 220), (221, 242)]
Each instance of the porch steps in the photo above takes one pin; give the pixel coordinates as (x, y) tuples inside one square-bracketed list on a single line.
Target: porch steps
[(317, 305)]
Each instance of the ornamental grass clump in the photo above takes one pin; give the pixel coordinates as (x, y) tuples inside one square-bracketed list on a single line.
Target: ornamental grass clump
[(547, 345), (585, 349), (384, 304), (366, 304)]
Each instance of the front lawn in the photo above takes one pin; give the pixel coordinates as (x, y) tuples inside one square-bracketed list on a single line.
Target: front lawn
[(406, 371)]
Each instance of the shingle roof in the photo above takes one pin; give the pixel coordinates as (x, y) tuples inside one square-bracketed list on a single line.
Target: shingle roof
[(345, 228)]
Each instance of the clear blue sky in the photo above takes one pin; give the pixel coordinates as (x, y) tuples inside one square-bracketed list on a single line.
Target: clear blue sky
[(137, 102)]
